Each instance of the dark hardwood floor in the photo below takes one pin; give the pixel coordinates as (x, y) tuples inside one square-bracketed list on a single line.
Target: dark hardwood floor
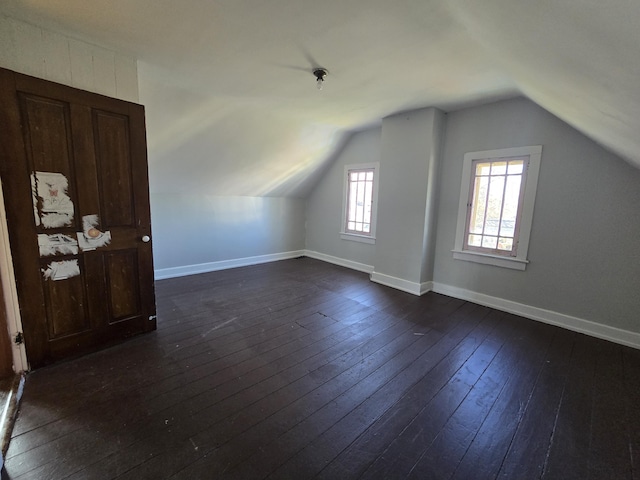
[(300, 369)]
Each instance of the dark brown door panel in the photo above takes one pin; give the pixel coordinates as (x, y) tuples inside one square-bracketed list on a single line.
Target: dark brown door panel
[(74, 173)]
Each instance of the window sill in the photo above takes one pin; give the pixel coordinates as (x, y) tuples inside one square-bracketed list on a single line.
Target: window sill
[(358, 238), (486, 259)]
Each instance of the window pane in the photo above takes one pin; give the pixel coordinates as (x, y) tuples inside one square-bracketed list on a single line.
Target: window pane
[(360, 202), (498, 168), (489, 242), (493, 202), (351, 215), (494, 205), (510, 209), (475, 240), (368, 201), (483, 168), (505, 244), (478, 207), (515, 166)]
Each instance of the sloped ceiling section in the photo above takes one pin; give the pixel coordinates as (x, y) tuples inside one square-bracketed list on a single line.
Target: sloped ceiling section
[(578, 60), (232, 107)]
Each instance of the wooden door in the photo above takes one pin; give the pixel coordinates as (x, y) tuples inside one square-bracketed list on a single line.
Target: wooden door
[(74, 173)]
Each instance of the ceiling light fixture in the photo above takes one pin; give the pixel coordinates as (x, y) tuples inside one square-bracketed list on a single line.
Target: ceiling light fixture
[(320, 73)]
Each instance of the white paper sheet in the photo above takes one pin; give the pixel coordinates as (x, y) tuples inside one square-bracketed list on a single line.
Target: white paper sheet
[(57, 244), (61, 270), (91, 237), (55, 209)]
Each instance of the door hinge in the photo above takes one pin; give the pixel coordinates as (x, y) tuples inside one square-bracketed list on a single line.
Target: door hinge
[(18, 339)]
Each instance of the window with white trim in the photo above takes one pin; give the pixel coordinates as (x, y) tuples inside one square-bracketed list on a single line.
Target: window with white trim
[(360, 202), (495, 212)]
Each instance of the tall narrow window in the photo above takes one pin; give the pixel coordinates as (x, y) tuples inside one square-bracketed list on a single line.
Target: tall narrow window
[(496, 206), (359, 212), (360, 201)]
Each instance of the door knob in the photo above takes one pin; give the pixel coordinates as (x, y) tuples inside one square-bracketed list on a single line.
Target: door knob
[(146, 238)]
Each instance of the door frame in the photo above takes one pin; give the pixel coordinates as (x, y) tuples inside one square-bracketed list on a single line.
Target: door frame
[(10, 292)]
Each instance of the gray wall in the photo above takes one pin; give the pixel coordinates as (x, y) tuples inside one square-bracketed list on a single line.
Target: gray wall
[(410, 141), (324, 205), (585, 260), (196, 229), (408, 149), (433, 190)]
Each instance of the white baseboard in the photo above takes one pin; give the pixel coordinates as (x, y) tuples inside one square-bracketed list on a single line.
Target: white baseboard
[(402, 284), (598, 330), (361, 267), (173, 272), (426, 287)]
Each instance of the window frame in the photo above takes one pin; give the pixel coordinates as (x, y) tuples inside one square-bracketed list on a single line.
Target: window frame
[(524, 220), (360, 236)]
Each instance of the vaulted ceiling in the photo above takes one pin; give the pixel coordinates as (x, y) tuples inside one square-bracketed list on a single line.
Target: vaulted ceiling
[(232, 106)]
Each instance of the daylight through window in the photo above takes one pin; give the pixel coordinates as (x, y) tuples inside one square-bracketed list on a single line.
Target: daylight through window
[(359, 201), (495, 212), (496, 201)]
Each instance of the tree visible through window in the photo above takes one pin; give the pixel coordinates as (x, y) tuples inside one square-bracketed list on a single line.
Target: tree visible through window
[(359, 201)]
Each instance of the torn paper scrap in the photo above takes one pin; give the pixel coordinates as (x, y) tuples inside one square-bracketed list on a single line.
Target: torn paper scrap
[(56, 220), (90, 225), (34, 196), (87, 243), (55, 208), (61, 270), (57, 244), (91, 237)]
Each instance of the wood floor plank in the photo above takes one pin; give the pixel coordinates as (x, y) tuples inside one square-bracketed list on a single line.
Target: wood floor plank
[(608, 455), (277, 413), (317, 454), (631, 363), (266, 395), (533, 435), (571, 437), (153, 422), (440, 458), (484, 457), (303, 369), (355, 459)]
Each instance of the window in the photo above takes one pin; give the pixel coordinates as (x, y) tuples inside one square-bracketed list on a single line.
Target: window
[(360, 202), (496, 206)]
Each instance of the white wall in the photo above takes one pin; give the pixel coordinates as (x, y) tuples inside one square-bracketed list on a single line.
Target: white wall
[(324, 204), (584, 255), (410, 141), (53, 56), (195, 233)]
